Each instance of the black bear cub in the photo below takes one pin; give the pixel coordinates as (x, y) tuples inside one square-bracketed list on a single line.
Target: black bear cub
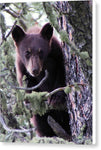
[(36, 51)]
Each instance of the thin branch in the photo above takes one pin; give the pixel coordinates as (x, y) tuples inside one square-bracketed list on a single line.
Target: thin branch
[(34, 87), (11, 13), (14, 10), (3, 75), (63, 88), (14, 130), (54, 91), (11, 29)]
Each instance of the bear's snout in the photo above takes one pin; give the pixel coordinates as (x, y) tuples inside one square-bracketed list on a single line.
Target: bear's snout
[(36, 72), (34, 66)]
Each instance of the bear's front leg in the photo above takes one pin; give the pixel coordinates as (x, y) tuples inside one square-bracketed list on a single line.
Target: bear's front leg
[(58, 99)]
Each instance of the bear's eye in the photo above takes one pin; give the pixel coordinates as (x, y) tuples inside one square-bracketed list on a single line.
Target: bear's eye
[(27, 54), (40, 52)]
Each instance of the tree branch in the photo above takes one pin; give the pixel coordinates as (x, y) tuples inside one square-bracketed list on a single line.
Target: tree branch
[(63, 88), (34, 87), (11, 13), (14, 130), (5, 38), (3, 75)]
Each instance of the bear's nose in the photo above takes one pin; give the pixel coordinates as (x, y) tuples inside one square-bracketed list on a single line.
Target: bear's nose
[(35, 72)]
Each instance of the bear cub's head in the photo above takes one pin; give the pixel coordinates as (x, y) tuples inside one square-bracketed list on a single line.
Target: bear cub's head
[(33, 49)]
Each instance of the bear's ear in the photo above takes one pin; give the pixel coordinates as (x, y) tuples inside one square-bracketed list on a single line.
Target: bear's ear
[(18, 34), (47, 31)]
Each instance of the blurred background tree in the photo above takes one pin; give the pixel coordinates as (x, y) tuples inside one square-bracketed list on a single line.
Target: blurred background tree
[(73, 22)]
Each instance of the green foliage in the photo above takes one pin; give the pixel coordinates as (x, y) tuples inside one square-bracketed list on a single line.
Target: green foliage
[(46, 140), (37, 100), (52, 15), (88, 62), (2, 25), (20, 95), (64, 35), (3, 102), (67, 90), (84, 55)]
